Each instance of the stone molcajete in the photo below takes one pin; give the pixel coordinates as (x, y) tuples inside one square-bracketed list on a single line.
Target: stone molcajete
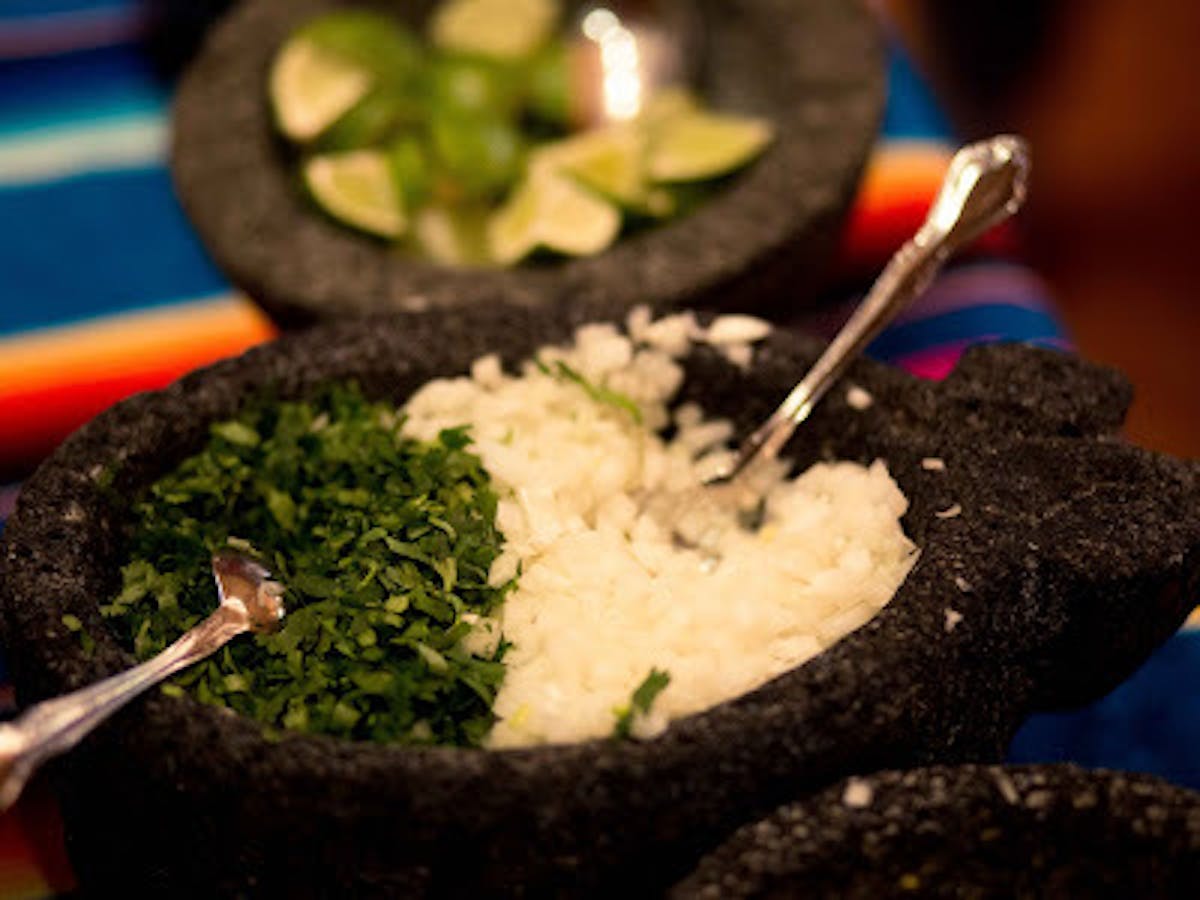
[(813, 67), (1054, 558), (969, 831)]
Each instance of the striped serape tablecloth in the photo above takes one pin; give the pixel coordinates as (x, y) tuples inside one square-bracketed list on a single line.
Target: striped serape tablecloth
[(105, 291)]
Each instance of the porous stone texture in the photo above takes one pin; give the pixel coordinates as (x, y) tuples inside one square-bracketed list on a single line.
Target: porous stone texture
[(970, 831), (814, 67), (1073, 555)]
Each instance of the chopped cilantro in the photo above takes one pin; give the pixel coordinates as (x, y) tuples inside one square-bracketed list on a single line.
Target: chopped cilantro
[(600, 393), (643, 698), (237, 433), (597, 392), (74, 625), (383, 544)]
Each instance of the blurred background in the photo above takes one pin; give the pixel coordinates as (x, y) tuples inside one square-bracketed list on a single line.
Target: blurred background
[(1104, 258), (1103, 90)]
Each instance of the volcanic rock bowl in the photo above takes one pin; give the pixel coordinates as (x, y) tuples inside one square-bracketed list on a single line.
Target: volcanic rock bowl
[(1072, 555), (970, 831), (814, 67)]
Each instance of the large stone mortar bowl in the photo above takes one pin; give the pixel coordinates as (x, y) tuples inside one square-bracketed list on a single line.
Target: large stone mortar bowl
[(967, 831), (1071, 556), (814, 67)]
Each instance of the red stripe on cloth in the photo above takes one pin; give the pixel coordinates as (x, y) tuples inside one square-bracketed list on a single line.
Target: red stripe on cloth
[(53, 381), (897, 189), (33, 423)]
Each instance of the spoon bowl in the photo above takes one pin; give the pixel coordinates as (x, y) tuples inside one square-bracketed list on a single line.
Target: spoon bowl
[(249, 601)]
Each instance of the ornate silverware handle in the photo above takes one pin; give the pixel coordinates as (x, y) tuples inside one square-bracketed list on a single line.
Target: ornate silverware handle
[(57, 725), (986, 183)]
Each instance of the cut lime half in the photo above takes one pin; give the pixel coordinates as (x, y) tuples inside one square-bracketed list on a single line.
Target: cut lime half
[(312, 88), (357, 188), (694, 146), (501, 29), (609, 160), (550, 210)]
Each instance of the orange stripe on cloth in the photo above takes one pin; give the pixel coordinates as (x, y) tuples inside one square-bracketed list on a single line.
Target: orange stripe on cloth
[(898, 186), (53, 381)]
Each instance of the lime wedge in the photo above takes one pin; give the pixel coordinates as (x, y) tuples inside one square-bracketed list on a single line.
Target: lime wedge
[(453, 235), (312, 88), (503, 29), (693, 146), (356, 188), (609, 160), (329, 65), (552, 211)]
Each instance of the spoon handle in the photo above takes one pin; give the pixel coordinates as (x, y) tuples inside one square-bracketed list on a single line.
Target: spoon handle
[(54, 726), (986, 183)]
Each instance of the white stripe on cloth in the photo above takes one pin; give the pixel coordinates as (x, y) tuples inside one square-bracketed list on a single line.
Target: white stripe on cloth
[(129, 142)]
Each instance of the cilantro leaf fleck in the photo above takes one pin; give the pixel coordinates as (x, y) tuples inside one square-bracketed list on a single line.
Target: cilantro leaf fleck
[(640, 702)]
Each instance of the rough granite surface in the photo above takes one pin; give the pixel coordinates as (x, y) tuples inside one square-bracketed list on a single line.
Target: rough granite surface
[(814, 67), (969, 831), (1072, 556)]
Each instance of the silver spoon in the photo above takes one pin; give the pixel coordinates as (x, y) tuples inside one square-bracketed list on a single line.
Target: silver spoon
[(985, 184), (249, 601)]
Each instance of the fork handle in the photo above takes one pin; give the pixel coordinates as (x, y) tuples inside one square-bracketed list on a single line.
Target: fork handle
[(54, 726)]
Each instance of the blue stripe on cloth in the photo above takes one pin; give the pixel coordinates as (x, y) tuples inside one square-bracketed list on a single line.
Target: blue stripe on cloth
[(1150, 723), (990, 321), (127, 226), (84, 86), (911, 110), (34, 9)]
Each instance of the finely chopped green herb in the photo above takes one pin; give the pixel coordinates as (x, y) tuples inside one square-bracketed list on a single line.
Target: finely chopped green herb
[(640, 702), (384, 544), (597, 392)]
